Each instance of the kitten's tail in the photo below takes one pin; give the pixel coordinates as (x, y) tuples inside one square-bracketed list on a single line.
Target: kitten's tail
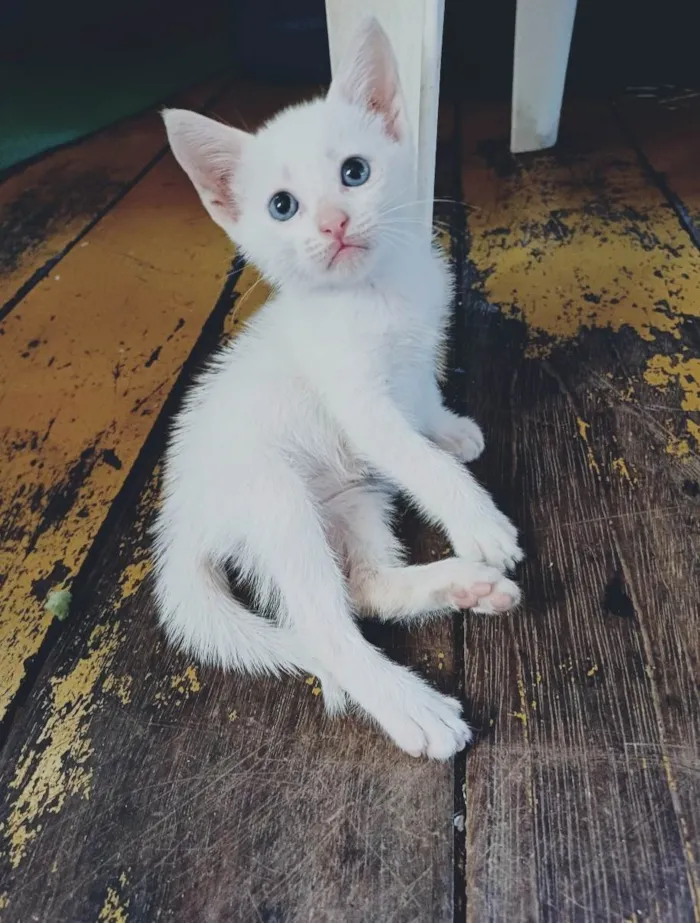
[(199, 615)]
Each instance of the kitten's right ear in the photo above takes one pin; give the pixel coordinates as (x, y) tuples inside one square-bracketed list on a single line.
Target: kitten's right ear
[(209, 153)]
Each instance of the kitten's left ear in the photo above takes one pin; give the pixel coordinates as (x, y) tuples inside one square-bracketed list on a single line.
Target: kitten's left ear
[(209, 153), (368, 76)]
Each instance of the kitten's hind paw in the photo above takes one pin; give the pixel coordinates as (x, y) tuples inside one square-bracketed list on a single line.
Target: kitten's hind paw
[(494, 595), (504, 596)]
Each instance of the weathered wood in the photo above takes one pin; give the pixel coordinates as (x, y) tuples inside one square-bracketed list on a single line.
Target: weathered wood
[(87, 360), (581, 799), (47, 205), (665, 127)]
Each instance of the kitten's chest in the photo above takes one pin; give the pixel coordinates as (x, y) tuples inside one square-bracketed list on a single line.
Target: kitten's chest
[(406, 336)]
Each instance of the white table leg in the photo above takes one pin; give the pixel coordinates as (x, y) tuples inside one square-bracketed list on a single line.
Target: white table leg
[(543, 30), (414, 28)]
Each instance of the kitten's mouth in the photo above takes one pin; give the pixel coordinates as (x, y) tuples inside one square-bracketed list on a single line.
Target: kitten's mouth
[(345, 250)]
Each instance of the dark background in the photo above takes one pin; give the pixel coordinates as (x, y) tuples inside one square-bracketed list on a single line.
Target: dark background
[(74, 66), (616, 42)]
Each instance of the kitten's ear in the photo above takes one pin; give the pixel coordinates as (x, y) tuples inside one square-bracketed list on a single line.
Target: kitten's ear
[(368, 76), (209, 153)]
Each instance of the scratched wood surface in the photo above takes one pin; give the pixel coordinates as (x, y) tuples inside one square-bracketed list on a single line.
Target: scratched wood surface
[(49, 205), (137, 786), (582, 800), (665, 126)]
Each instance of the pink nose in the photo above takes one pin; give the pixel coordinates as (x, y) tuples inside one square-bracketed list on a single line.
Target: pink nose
[(332, 221)]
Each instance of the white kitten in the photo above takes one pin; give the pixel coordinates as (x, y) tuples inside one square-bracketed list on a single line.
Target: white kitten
[(279, 458)]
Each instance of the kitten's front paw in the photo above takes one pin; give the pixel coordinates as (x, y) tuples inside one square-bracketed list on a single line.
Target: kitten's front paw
[(497, 539), (423, 722), (493, 539), (504, 596), (462, 438)]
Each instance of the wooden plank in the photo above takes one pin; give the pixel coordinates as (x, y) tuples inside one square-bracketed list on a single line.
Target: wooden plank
[(46, 205), (86, 362), (666, 129), (137, 786), (582, 797)]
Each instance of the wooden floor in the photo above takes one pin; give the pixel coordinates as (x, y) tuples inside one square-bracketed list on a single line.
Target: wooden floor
[(137, 786)]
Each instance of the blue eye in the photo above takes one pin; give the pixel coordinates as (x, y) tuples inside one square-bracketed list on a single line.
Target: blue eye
[(283, 206), (354, 172)]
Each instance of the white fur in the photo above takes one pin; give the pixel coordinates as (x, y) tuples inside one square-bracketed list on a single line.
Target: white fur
[(283, 458)]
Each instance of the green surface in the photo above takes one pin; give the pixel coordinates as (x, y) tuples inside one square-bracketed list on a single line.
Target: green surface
[(44, 105)]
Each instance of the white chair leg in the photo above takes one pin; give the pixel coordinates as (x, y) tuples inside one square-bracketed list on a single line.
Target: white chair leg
[(414, 28), (543, 30)]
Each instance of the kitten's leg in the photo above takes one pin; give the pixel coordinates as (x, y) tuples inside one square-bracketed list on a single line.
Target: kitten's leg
[(288, 545), (460, 436), (378, 430), (381, 585)]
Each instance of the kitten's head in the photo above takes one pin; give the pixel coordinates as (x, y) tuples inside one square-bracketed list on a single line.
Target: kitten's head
[(323, 193)]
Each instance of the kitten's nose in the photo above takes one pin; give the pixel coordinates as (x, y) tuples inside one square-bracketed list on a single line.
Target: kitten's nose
[(332, 221)]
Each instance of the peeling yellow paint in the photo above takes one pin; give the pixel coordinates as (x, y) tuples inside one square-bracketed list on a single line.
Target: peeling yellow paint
[(3, 900), (233, 715), (57, 766), (593, 670), (186, 683), (85, 365), (82, 374), (627, 394), (96, 171), (679, 448), (567, 245), (694, 430), (133, 576), (663, 370), (564, 255), (115, 909), (522, 695), (120, 687), (313, 682), (583, 428), (619, 465)]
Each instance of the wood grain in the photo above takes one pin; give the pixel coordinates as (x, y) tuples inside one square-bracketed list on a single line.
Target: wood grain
[(665, 128), (581, 797), (47, 205)]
